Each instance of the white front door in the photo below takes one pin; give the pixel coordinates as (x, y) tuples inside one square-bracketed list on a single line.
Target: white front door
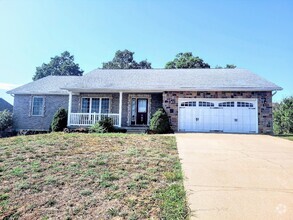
[(219, 115)]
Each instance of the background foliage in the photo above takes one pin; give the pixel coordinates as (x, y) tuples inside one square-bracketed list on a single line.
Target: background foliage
[(5, 120), (283, 116), (63, 65)]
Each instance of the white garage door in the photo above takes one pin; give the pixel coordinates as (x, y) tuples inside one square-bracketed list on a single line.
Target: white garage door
[(218, 115)]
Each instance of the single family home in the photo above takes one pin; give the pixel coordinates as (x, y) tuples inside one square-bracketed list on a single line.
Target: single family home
[(196, 100)]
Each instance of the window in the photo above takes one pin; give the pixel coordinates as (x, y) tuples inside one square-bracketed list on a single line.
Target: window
[(206, 104), (189, 104), (226, 104), (105, 105), (85, 106), (97, 105), (133, 110), (244, 104), (38, 106), (142, 105)]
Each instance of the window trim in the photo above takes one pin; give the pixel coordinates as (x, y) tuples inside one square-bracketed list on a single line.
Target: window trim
[(32, 106), (100, 104)]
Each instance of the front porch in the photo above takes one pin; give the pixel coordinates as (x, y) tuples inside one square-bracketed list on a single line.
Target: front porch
[(88, 119), (125, 109)]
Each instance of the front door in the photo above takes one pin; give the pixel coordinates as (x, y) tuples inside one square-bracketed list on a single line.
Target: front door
[(142, 111)]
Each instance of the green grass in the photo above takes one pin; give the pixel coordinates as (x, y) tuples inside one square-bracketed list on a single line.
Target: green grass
[(286, 136), (88, 175)]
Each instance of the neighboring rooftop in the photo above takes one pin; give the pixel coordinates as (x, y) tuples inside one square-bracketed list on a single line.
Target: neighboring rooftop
[(5, 105), (152, 80)]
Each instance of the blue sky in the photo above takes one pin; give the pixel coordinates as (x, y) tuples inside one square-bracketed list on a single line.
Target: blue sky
[(256, 35)]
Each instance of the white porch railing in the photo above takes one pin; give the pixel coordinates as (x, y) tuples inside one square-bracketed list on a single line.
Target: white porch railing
[(87, 119)]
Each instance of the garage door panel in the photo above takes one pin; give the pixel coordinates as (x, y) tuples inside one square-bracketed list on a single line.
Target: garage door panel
[(219, 115)]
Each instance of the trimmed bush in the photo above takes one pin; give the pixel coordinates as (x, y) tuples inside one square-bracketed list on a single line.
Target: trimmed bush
[(5, 120), (160, 122), (283, 116), (59, 121)]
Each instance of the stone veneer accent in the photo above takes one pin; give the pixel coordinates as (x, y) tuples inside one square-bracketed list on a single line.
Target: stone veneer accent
[(265, 116)]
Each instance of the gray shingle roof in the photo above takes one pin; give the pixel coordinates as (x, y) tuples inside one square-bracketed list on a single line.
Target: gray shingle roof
[(47, 85), (172, 80), (151, 80), (5, 105)]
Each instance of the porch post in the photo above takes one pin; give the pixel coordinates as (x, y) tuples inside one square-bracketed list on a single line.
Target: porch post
[(120, 109), (69, 108)]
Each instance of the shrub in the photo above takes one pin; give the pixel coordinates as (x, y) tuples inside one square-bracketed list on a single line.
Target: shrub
[(97, 128), (107, 124), (5, 120), (283, 116), (59, 121), (160, 122)]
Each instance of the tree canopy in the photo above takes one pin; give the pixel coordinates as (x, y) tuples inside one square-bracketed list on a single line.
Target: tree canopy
[(63, 65), (124, 60), (186, 61)]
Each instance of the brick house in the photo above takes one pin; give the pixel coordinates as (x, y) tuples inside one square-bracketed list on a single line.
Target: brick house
[(196, 100)]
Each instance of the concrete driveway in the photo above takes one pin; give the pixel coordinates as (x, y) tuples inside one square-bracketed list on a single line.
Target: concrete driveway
[(231, 176)]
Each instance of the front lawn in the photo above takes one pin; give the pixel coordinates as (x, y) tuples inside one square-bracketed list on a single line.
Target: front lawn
[(91, 176)]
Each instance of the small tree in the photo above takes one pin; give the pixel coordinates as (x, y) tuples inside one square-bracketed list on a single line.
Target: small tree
[(159, 122), (5, 120), (283, 116), (59, 121)]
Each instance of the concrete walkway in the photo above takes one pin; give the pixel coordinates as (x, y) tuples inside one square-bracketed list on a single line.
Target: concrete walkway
[(231, 176)]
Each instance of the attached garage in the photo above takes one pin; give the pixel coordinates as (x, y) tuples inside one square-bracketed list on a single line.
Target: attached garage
[(218, 115)]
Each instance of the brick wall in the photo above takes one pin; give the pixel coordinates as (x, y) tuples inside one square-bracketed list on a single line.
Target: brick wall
[(22, 118), (265, 118)]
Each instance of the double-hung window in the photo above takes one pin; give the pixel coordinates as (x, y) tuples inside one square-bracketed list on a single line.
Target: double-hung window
[(37, 106), (97, 105)]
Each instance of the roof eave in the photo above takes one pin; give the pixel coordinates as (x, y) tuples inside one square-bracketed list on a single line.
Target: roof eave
[(174, 89)]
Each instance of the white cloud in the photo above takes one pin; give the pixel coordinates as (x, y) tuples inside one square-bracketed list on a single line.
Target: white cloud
[(7, 86)]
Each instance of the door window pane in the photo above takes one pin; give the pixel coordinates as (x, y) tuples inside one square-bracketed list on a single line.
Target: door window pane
[(142, 105), (95, 105), (105, 105), (133, 110), (85, 105)]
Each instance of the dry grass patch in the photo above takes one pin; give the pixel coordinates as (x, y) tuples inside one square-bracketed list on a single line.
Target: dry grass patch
[(88, 176)]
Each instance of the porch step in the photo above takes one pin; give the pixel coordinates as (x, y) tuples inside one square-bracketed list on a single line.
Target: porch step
[(136, 130)]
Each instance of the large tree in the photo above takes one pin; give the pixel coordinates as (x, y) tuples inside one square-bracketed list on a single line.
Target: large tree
[(186, 61), (124, 60), (63, 65)]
